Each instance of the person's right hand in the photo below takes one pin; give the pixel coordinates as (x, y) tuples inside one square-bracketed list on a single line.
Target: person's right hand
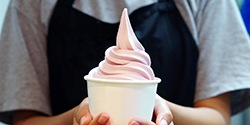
[(82, 115)]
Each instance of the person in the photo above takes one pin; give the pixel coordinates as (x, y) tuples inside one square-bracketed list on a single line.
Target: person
[(200, 50)]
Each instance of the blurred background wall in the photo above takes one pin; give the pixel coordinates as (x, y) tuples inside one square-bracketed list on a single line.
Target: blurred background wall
[(3, 8), (242, 118)]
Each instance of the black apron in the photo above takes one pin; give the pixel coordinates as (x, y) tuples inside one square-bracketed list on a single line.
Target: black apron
[(77, 42)]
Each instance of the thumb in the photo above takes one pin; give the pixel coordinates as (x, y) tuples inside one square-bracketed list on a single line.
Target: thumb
[(75, 122), (82, 114), (162, 111)]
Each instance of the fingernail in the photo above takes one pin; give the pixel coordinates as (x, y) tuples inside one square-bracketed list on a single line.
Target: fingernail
[(103, 118), (163, 122), (134, 123), (83, 120)]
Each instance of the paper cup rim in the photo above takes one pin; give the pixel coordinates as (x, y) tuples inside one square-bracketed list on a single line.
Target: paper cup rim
[(89, 78)]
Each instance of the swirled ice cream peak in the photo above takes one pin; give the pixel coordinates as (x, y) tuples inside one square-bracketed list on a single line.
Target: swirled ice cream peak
[(127, 60), (126, 38)]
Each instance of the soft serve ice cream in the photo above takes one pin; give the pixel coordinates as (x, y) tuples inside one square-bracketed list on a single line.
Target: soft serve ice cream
[(124, 80), (127, 60)]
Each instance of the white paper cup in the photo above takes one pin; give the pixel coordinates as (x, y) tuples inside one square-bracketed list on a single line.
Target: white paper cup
[(122, 99)]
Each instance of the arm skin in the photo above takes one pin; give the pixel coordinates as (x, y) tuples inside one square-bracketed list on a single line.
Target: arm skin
[(26, 117), (212, 111)]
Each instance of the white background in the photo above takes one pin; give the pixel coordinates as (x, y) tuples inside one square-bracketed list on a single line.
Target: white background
[(3, 8)]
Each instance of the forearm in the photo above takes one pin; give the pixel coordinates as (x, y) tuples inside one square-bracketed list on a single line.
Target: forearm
[(31, 118), (212, 112), (196, 116)]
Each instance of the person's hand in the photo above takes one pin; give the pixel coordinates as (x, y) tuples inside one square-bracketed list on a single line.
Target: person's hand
[(161, 112), (82, 115)]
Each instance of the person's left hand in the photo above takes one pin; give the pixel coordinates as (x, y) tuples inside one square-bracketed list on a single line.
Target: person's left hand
[(82, 115), (161, 112)]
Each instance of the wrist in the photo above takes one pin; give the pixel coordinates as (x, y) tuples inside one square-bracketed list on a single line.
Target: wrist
[(65, 118)]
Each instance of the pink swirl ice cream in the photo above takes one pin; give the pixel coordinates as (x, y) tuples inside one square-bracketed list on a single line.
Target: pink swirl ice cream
[(127, 60)]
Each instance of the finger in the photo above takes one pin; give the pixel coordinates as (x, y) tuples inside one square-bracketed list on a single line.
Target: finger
[(162, 111), (74, 121), (172, 123), (82, 114), (164, 119), (139, 121), (101, 119), (85, 120)]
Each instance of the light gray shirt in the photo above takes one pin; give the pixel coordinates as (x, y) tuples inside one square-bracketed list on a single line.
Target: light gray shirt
[(216, 25)]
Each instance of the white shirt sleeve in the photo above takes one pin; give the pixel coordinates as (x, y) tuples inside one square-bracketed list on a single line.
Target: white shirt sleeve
[(224, 46), (23, 60)]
